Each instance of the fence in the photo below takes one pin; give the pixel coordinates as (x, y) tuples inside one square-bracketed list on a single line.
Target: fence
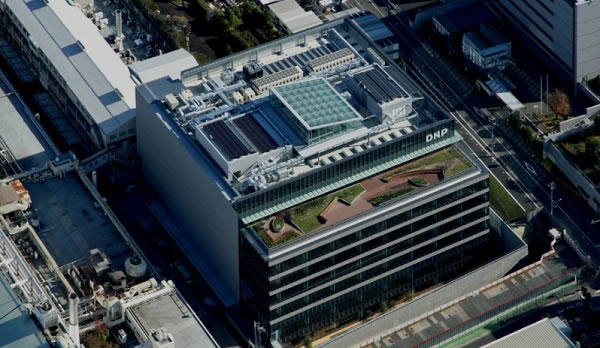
[(514, 304), (585, 258)]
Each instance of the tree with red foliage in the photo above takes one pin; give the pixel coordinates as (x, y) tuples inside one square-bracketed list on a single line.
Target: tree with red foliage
[(558, 101)]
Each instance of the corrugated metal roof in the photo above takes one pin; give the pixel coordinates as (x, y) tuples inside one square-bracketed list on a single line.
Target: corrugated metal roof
[(542, 334), (293, 17), (373, 26), (88, 65)]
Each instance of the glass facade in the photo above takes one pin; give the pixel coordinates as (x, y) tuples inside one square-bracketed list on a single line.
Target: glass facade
[(314, 110), (405, 252), (340, 173)]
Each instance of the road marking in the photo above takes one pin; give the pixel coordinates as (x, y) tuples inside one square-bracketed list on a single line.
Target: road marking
[(470, 130), (530, 168)]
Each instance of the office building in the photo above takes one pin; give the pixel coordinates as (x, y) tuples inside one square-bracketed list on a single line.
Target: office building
[(487, 48), (565, 29), (320, 199)]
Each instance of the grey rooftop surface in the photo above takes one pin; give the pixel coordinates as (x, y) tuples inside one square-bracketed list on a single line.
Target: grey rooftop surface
[(316, 104), (17, 328), (541, 334), (377, 83), (19, 134), (90, 68), (373, 26), (293, 16), (70, 224), (471, 307), (169, 64), (169, 312)]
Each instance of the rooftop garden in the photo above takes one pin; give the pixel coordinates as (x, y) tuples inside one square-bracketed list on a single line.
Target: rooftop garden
[(449, 161), (316, 213), (306, 215), (584, 150)]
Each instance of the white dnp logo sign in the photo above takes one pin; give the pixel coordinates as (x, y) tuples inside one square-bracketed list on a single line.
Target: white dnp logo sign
[(437, 134)]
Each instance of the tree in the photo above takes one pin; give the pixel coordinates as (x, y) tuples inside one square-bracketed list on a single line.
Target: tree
[(383, 306), (592, 148), (558, 101), (596, 126), (307, 342)]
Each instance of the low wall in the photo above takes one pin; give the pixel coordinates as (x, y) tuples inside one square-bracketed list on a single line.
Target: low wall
[(429, 303), (590, 194), (424, 16)]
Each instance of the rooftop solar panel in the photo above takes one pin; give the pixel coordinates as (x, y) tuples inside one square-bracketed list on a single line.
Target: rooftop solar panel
[(225, 139), (255, 133), (379, 85)]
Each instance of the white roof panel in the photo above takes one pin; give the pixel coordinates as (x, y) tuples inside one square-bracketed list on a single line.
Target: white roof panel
[(542, 334), (504, 94), (169, 64), (293, 17), (86, 62)]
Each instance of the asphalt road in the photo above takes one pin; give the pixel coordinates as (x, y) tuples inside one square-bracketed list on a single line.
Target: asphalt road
[(373, 6), (505, 158)]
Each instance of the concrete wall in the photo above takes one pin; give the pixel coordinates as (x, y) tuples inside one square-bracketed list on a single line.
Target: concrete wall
[(464, 285), (208, 223), (552, 152), (587, 34)]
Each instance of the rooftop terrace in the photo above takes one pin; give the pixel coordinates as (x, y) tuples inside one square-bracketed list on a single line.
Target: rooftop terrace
[(330, 208)]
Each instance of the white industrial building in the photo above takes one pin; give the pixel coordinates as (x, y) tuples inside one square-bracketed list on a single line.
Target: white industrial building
[(292, 17), (75, 65), (86, 78), (566, 29)]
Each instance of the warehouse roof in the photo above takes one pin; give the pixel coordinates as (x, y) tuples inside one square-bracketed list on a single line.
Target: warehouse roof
[(373, 26), (169, 64), (293, 17), (87, 64), (542, 334)]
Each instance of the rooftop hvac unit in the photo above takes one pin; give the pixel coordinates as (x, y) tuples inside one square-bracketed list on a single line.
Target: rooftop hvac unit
[(135, 267), (227, 77)]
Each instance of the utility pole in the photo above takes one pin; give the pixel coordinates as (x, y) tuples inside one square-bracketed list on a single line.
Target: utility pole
[(553, 203), (541, 89), (547, 93), (258, 331)]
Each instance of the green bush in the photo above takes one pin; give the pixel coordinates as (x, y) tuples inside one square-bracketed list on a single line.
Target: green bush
[(277, 224), (418, 181), (383, 306), (390, 195)]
